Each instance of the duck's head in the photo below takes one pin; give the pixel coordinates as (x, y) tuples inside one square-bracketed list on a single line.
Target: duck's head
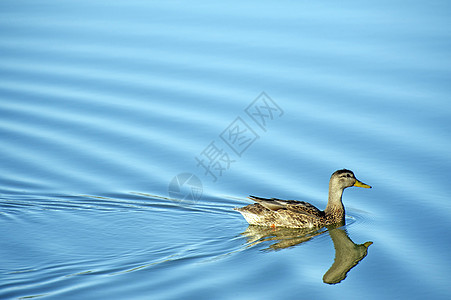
[(346, 178)]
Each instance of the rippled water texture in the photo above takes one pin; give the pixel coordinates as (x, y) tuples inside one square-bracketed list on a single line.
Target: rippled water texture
[(131, 129)]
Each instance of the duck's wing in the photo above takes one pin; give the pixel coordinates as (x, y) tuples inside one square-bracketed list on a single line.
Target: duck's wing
[(305, 208), (292, 205), (271, 204)]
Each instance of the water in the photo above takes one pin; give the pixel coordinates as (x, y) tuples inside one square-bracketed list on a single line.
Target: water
[(103, 105)]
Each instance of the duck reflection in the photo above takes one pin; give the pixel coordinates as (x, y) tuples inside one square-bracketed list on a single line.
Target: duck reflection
[(347, 253)]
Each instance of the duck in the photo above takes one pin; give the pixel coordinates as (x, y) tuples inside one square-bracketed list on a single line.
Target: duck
[(299, 214)]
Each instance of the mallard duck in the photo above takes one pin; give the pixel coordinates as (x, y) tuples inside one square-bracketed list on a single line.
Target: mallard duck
[(298, 214)]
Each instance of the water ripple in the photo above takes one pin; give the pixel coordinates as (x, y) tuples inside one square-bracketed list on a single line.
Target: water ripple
[(102, 105)]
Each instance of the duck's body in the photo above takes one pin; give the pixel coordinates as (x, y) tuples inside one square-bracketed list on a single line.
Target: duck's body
[(299, 214)]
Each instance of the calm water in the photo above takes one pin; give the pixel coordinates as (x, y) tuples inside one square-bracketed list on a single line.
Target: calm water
[(130, 130)]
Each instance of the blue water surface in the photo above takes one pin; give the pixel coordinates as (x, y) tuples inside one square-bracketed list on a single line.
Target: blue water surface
[(131, 129)]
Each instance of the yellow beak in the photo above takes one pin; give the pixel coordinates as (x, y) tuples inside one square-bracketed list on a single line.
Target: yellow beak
[(361, 184)]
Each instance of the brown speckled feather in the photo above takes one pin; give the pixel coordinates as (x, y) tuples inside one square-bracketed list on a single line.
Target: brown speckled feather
[(305, 208), (287, 213), (300, 207)]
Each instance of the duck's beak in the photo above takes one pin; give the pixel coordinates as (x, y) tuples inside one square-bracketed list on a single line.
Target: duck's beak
[(361, 184)]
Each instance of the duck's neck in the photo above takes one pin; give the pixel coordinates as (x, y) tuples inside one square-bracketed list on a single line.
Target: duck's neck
[(335, 210)]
